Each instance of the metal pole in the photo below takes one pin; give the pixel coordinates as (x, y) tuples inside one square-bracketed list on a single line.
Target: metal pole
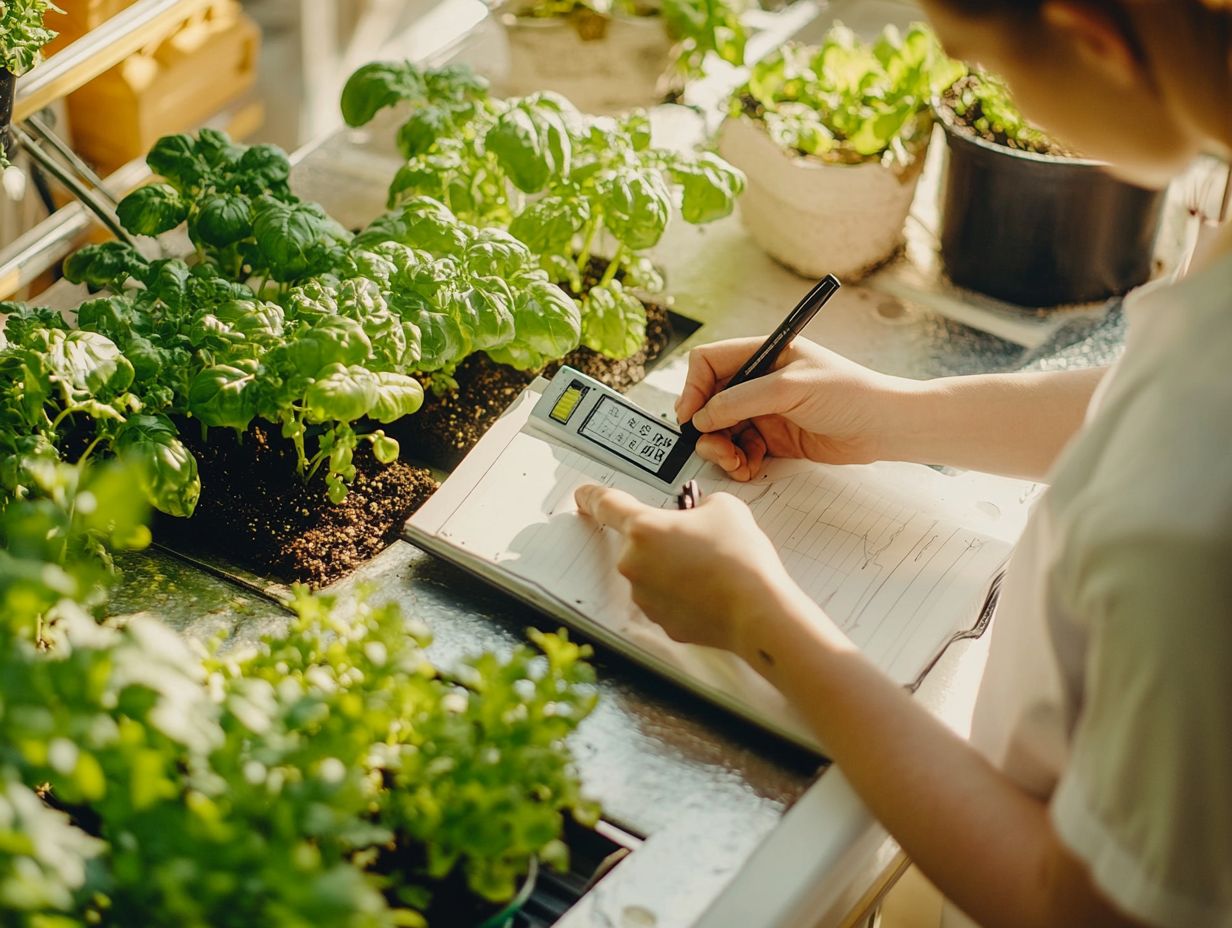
[(83, 193)]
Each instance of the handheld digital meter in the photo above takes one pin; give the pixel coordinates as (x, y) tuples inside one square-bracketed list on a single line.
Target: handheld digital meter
[(598, 421)]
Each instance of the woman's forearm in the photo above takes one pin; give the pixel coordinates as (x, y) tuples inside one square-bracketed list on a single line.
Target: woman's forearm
[(986, 844), (1013, 424)]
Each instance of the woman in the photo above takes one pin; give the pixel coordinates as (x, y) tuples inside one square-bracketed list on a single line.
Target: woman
[(1098, 786)]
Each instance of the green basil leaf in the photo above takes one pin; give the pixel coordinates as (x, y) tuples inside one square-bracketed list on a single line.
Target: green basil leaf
[(257, 321), (378, 85), (384, 448), (362, 300), (421, 130), (167, 279), (89, 362), (635, 127), (105, 266), (442, 341), (204, 289), (221, 219), (485, 312), (397, 395), (217, 150), (295, 239), (455, 83), (531, 142), (169, 471), (264, 169), (175, 157), (709, 187), (548, 324), (613, 321), (152, 210), (496, 253), (22, 321), (332, 340), (636, 205), (372, 265), (421, 222), (221, 396), (548, 225), (341, 394), (111, 316)]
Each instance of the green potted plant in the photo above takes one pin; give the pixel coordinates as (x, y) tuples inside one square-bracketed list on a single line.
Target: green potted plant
[(832, 139), (22, 37), (608, 56), (1026, 220)]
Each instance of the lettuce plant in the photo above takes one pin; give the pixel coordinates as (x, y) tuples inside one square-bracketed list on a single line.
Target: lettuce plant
[(565, 185), (849, 101), (23, 33)]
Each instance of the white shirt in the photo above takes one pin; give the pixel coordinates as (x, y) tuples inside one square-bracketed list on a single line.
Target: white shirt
[(1108, 690)]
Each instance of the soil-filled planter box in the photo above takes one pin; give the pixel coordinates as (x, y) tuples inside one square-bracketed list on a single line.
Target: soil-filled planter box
[(1041, 230), (255, 510), (817, 217), (449, 425), (256, 513), (602, 64)]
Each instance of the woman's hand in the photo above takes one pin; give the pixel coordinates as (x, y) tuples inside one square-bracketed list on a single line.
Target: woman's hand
[(706, 574), (815, 404)]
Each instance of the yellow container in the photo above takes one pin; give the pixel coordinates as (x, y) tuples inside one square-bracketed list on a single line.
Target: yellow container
[(171, 87), (78, 18)]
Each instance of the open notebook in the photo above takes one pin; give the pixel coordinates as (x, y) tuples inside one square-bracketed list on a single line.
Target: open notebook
[(898, 555)]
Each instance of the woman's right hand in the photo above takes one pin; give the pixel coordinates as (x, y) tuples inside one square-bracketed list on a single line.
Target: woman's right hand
[(815, 404)]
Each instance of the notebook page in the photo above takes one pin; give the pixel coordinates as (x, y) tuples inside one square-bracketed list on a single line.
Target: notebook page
[(899, 580), (880, 544), (522, 516)]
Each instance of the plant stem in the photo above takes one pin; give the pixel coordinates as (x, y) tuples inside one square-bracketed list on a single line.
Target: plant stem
[(610, 274), (85, 455), (588, 241)]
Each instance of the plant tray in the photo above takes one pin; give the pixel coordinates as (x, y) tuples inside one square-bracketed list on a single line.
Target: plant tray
[(236, 534)]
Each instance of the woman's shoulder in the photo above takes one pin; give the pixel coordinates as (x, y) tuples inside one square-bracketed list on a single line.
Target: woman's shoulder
[(1148, 482)]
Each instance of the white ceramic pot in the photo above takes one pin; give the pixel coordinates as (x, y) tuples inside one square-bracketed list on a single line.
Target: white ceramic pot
[(817, 218), (608, 73)]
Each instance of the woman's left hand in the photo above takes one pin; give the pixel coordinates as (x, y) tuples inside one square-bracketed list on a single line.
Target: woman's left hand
[(704, 574)]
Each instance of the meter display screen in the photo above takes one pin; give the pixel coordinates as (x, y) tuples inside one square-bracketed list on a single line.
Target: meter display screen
[(630, 434)]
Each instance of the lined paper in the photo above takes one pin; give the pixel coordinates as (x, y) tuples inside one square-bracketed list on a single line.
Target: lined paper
[(899, 582)]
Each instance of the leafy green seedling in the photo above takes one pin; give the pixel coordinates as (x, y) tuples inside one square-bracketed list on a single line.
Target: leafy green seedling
[(848, 101)]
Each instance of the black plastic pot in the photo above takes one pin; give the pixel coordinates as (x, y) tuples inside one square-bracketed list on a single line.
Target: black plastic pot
[(1040, 230), (8, 85)]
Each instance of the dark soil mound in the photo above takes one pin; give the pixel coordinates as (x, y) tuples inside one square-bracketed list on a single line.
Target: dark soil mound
[(255, 510)]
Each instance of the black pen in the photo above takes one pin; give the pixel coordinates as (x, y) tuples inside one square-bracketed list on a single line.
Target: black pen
[(761, 362)]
